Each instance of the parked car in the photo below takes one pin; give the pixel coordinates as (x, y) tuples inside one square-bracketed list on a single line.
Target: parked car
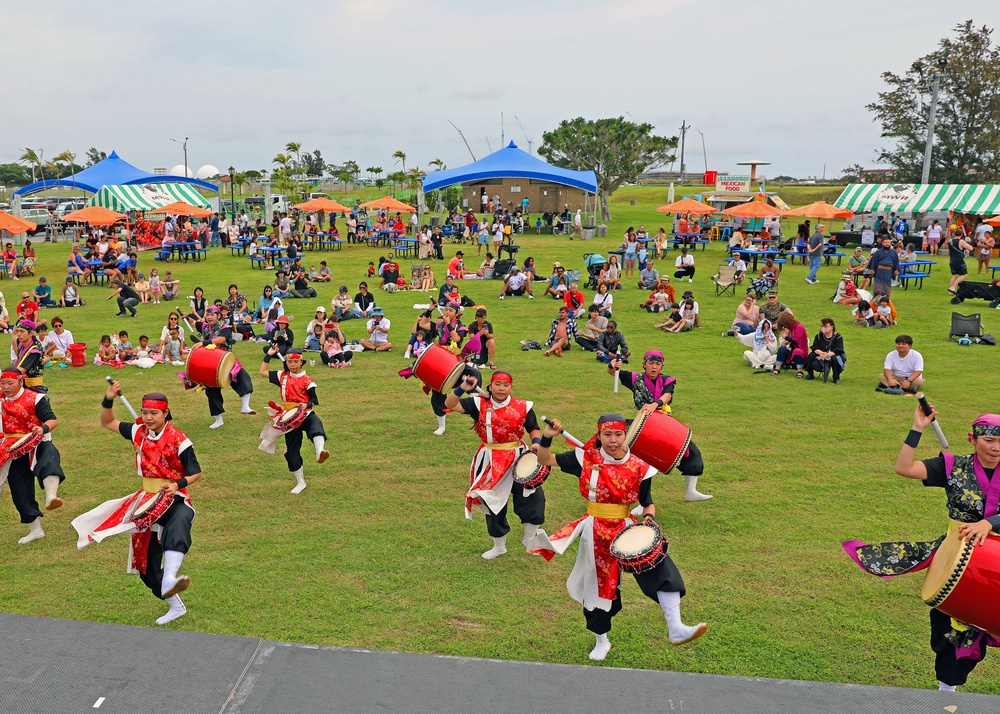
[(39, 216), (68, 207), (5, 207)]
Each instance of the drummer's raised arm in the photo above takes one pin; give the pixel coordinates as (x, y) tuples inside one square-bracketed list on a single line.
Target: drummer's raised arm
[(453, 400), (905, 465)]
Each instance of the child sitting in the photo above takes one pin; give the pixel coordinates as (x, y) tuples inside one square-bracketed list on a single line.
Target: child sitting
[(143, 350), (174, 349), (126, 351), (107, 353), (687, 318), (863, 314), (333, 353), (883, 317), (661, 300), (672, 319), (877, 300), (419, 343), (371, 269)]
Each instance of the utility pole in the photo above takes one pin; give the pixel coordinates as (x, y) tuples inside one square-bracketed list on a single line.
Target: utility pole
[(925, 175), (684, 129)]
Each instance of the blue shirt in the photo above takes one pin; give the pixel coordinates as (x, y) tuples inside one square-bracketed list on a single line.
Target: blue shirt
[(43, 291)]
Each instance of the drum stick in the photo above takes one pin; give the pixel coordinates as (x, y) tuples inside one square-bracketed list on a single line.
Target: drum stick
[(934, 423), (124, 400), (479, 390), (569, 437), (618, 356)]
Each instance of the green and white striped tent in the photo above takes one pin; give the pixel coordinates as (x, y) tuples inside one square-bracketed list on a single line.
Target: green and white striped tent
[(979, 199), (147, 196)]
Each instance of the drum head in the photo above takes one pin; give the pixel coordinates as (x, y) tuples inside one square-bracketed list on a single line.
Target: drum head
[(946, 568), (526, 464), (288, 415), (147, 504), (453, 378), (225, 369), (633, 431), (21, 442), (635, 540)]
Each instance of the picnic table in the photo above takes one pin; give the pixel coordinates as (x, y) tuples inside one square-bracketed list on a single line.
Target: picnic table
[(757, 254), (994, 268), (688, 238), (179, 247), (405, 245)]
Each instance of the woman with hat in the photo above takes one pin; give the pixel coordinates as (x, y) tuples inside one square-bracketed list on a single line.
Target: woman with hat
[(167, 465), (24, 411), (320, 319), (652, 391), (218, 335), (611, 479), (378, 332)]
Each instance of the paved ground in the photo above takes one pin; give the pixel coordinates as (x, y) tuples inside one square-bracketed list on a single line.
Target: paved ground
[(65, 666)]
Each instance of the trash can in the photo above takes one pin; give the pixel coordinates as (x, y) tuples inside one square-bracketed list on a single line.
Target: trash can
[(602, 231), (78, 354), (588, 232), (710, 178)]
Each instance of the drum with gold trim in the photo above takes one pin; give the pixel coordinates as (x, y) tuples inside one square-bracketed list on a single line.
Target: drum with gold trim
[(22, 446), (210, 368), (439, 369), (639, 547), (658, 439)]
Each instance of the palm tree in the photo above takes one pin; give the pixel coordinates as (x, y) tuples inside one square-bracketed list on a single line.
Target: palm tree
[(371, 171), (282, 160), (437, 163), (34, 159), (400, 157), (440, 166), (240, 179), (295, 147), (65, 159), (94, 156)]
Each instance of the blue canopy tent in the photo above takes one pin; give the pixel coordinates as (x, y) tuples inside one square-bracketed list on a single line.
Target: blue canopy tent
[(112, 171), (511, 162)]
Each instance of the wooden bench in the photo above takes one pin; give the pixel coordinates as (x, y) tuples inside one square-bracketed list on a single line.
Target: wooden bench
[(905, 278)]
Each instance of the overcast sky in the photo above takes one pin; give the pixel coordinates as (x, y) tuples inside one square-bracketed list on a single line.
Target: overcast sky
[(785, 82)]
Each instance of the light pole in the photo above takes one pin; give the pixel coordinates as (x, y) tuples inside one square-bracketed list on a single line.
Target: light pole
[(925, 174), (703, 149), (185, 143), (232, 195)]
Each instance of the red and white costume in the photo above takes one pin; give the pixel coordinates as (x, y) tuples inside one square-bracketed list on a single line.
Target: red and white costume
[(294, 391), (17, 418), (500, 426), (610, 486), (157, 459)]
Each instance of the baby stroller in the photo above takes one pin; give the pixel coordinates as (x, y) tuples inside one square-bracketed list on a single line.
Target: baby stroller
[(594, 263)]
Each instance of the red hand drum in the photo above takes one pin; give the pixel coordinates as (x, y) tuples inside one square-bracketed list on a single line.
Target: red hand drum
[(963, 581), (528, 472), (19, 447), (439, 369), (658, 439), (291, 418), (639, 547), (210, 368), (151, 509)]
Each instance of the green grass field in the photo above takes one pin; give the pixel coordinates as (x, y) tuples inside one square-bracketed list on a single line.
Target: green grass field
[(376, 552)]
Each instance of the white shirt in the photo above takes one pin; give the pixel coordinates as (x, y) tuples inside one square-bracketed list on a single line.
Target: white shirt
[(903, 367), (515, 281), (576, 219), (383, 325), (286, 225), (684, 261), (604, 301), (62, 342)]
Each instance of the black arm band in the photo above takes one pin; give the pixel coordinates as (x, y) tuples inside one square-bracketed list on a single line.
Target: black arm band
[(182, 483), (45, 429), (545, 442), (268, 356), (536, 440), (913, 438), (459, 392), (206, 343), (107, 403)]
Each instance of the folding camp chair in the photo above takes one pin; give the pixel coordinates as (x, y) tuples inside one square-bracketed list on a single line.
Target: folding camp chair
[(962, 325), (725, 280)]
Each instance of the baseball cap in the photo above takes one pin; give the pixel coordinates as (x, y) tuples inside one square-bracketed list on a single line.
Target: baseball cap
[(41, 280), (321, 309), (557, 264), (688, 293), (343, 288)]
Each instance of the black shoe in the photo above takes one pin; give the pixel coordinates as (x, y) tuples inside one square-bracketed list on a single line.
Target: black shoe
[(837, 380), (809, 376), (119, 314)]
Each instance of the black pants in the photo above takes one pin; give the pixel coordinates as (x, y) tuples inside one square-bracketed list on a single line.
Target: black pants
[(241, 385), (587, 343), (175, 534), (691, 464), (21, 478), (530, 509), (126, 303), (313, 427), (342, 357), (665, 577), (686, 272), (815, 364), (948, 668)]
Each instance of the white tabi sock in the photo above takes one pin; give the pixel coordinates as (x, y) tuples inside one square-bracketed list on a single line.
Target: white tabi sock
[(441, 424), (300, 481), (172, 583), (498, 549), (245, 404), (601, 649), (691, 494), (321, 453), (52, 500), (942, 687), (679, 632), (34, 533), (176, 610), (530, 530), (217, 423)]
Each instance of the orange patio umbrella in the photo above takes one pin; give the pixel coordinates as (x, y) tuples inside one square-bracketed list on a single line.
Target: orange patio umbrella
[(15, 225), (180, 208), (754, 209), (322, 204), (995, 221), (687, 205), (390, 204), (95, 215), (821, 209)]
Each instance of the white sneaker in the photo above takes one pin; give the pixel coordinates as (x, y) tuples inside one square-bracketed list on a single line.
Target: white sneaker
[(501, 297), (688, 633), (690, 280), (531, 297)]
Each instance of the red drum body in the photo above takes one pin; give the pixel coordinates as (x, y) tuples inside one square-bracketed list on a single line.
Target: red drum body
[(528, 472), (658, 439), (639, 548), (149, 511), (210, 368), (15, 449), (963, 581), (439, 369), (291, 418)]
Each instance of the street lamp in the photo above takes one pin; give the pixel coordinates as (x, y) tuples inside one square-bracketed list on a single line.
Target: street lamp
[(232, 196), (185, 143), (925, 174)]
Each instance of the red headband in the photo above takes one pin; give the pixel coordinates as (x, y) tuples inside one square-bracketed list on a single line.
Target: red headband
[(12, 372), (154, 404), (617, 425), (503, 376)]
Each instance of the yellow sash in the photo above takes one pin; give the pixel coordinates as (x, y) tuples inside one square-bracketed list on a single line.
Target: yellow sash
[(13, 436), (607, 510), (505, 446), (289, 405), (33, 381), (152, 485)]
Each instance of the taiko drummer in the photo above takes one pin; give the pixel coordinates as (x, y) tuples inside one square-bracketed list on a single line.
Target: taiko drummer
[(219, 335), (298, 397), (973, 491), (611, 479), (167, 465), (501, 422)]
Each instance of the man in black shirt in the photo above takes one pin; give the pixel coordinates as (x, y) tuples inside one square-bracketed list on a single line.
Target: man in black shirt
[(127, 298), (302, 289)]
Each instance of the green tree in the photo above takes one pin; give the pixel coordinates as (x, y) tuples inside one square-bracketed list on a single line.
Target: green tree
[(14, 175), (314, 164), (295, 147), (967, 129), (400, 157), (855, 173), (94, 156), (617, 151), (33, 158), (283, 162), (352, 168)]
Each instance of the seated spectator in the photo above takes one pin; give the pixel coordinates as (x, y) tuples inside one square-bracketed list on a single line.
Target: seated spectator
[(43, 294), (747, 317), (697, 309), (558, 284), (762, 346), (319, 319), (611, 345), (314, 339), (826, 354), (793, 344), (427, 279), (27, 264), (70, 296), (767, 278), (389, 274), (877, 300), (516, 284), (594, 328), (485, 268), (574, 300), (301, 288), (610, 274), (56, 343), (282, 285), (660, 242), (562, 334), (740, 266), (863, 314), (27, 308), (107, 353), (685, 319), (847, 294), (9, 256), (684, 265), (772, 308), (903, 368), (199, 305), (449, 291), (142, 287), (126, 352), (883, 313), (76, 265), (333, 353), (481, 346), (324, 275), (378, 332), (649, 276), (604, 300), (171, 286), (364, 302), (456, 266)]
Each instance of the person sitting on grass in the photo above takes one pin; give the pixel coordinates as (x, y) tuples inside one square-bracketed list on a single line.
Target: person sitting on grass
[(672, 318), (793, 345), (876, 301), (762, 346), (847, 293), (171, 286), (574, 300), (107, 353), (324, 275), (863, 314), (685, 265), (903, 369), (334, 354), (448, 292), (649, 277), (747, 317), (516, 284), (826, 354), (611, 345), (610, 274), (594, 328), (558, 285), (562, 334), (378, 332), (688, 315), (43, 294)]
